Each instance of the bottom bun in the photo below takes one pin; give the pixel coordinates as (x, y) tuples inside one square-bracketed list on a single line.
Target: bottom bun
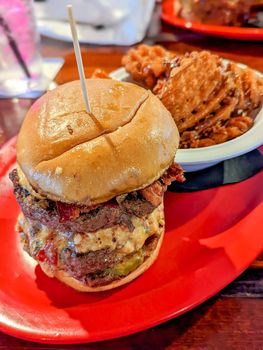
[(74, 283)]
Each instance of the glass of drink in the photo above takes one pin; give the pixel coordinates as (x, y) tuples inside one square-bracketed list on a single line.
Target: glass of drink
[(20, 61)]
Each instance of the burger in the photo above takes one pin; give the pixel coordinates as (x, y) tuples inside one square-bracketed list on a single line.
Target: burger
[(91, 185)]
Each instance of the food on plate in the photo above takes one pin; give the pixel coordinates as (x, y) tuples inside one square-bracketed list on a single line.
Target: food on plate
[(249, 86), (224, 12), (210, 102), (191, 82), (205, 100), (91, 186), (147, 63)]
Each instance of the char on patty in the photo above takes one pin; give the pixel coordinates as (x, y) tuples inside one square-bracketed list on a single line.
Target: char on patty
[(78, 218)]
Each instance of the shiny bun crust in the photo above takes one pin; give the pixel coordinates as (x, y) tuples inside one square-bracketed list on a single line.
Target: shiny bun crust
[(68, 155), (75, 284)]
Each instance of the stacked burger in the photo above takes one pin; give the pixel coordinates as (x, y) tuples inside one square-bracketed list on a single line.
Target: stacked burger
[(91, 185)]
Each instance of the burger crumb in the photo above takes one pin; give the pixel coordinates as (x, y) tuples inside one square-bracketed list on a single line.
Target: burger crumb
[(70, 130), (58, 170), (161, 223), (77, 238)]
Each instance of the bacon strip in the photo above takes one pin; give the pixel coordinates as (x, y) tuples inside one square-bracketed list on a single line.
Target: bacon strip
[(154, 193)]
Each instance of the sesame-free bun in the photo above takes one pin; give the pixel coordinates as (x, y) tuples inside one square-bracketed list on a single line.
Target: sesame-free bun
[(66, 154), (64, 277)]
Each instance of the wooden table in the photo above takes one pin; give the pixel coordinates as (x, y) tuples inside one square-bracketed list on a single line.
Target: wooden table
[(233, 319)]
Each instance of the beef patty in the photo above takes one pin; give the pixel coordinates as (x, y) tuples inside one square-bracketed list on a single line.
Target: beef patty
[(105, 277), (93, 268), (78, 218)]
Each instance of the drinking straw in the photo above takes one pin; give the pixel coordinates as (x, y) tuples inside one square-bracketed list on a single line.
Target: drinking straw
[(14, 47)]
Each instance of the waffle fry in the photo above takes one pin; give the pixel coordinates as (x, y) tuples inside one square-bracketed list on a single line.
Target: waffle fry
[(220, 133), (209, 102), (189, 85), (146, 63), (249, 86)]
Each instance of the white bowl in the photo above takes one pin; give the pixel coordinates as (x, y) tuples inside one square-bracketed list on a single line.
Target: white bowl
[(193, 159)]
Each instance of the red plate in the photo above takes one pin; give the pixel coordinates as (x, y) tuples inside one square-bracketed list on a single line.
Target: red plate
[(211, 237), (239, 33)]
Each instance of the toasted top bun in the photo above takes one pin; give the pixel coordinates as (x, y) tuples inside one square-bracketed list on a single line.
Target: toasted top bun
[(127, 142)]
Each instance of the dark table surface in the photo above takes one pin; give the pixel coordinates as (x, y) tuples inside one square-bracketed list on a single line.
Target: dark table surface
[(233, 319)]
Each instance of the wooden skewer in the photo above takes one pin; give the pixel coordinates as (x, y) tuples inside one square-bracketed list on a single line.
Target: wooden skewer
[(82, 74), (78, 57)]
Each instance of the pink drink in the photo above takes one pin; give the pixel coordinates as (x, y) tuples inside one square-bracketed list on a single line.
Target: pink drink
[(20, 63)]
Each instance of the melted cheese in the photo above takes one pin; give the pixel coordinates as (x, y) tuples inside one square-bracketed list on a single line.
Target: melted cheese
[(121, 238), (115, 237)]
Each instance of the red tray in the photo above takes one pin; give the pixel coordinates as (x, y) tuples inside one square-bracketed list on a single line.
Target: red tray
[(211, 237), (228, 32)]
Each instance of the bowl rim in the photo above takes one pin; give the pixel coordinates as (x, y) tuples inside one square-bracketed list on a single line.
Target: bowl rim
[(249, 141)]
